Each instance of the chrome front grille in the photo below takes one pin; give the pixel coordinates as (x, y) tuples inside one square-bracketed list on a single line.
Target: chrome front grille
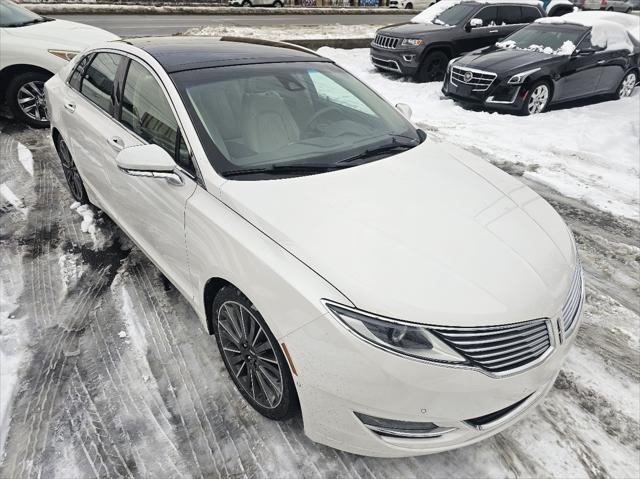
[(500, 349), (479, 80), (573, 304), (383, 41)]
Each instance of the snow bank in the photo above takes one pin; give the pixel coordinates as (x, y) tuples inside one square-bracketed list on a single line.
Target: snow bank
[(566, 48), (288, 32), (590, 153)]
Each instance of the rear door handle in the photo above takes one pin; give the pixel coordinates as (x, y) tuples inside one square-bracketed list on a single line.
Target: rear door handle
[(116, 143), (71, 106), (600, 62), (493, 31)]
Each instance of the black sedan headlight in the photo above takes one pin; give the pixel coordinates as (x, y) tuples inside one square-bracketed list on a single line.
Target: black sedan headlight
[(404, 338)]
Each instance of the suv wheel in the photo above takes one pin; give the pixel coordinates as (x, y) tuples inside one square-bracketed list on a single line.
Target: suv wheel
[(71, 173), (433, 67), (25, 98), (409, 6), (252, 356), (627, 85), (538, 99)]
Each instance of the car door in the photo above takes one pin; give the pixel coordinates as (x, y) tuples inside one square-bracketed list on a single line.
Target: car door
[(614, 61), (485, 35), (510, 19), (151, 210), (87, 118), (580, 75)]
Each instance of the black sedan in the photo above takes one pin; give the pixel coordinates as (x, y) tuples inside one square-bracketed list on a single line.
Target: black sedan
[(549, 61)]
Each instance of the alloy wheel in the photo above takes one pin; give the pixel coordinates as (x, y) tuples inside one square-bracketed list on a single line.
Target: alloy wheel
[(31, 100), (250, 354), (627, 85), (538, 99), (71, 173)]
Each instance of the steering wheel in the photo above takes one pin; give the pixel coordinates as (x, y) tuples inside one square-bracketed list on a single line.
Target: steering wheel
[(321, 112)]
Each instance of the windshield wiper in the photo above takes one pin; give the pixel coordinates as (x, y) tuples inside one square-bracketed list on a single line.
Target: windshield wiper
[(380, 150), (284, 168)]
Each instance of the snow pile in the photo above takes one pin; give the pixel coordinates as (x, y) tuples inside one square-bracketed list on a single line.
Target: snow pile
[(88, 224), (631, 23), (566, 48), (287, 32), (589, 152), (433, 11)]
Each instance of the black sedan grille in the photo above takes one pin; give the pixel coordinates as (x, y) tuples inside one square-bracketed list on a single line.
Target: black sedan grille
[(383, 41), (500, 349), (479, 80)]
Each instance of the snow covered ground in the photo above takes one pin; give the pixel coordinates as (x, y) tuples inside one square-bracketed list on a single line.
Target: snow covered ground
[(106, 370), (287, 32), (589, 152)]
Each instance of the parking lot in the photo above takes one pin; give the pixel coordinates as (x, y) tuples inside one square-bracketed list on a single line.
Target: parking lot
[(107, 372)]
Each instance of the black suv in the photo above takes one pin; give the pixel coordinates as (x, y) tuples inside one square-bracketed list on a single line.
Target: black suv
[(423, 50)]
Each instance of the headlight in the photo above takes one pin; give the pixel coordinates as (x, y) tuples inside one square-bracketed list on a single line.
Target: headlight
[(64, 54), (412, 42), (519, 78), (404, 338)]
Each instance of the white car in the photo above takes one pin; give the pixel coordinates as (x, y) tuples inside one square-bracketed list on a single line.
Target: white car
[(411, 4), (257, 3), (32, 49), (406, 295)]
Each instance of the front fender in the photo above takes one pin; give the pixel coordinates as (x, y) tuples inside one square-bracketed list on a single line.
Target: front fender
[(222, 244)]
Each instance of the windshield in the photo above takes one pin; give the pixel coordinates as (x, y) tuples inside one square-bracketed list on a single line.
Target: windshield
[(549, 39), (293, 118), (454, 15), (12, 15)]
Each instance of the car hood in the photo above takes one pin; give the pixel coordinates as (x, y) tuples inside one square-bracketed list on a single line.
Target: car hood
[(433, 235), (63, 34), (499, 60), (403, 30)]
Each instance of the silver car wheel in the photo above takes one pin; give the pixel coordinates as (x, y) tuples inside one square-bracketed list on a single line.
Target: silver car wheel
[(31, 100), (628, 84), (250, 354), (538, 99)]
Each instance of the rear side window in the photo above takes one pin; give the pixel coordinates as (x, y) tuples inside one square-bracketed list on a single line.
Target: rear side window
[(530, 14), (146, 112), (97, 81), (510, 15), (488, 15)]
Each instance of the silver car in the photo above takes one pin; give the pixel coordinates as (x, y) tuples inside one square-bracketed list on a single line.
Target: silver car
[(624, 6)]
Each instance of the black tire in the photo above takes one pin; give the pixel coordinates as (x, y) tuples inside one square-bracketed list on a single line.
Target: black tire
[(626, 86), (20, 89), (247, 3), (409, 6), (252, 363), (277, 4), (534, 104), (433, 67), (71, 173)]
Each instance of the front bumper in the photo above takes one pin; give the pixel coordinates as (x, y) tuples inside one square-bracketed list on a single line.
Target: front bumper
[(499, 95), (339, 375), (401, 61)]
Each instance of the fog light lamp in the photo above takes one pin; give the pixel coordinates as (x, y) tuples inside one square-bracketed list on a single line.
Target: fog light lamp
[(406, 429)]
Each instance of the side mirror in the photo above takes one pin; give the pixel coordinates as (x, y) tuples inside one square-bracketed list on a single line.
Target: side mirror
[(405, 110), (587, 51), (148, 161), (475, 23)]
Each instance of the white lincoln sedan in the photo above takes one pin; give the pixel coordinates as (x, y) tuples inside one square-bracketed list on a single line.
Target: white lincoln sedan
[(404, 295)]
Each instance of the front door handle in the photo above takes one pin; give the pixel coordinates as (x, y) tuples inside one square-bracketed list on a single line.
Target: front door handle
[(116, 143), (493, 31), (600, 62), (71, 106)]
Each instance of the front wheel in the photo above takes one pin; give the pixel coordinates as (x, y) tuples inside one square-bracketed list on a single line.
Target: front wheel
[(627, 85), (71, 173), (537, 100), (252, 356), (433, 67), (247, 3), (25, 98), (277, 4), (409, 6)]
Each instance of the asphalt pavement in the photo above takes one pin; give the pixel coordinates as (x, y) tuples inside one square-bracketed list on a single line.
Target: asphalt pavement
[(143, 25)]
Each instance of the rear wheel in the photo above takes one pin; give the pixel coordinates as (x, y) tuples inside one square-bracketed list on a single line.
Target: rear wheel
[(627, 85), (409, 6), (538, 99), (252, 356), (25, 98), (71, 173), (433, 67), (277, 4), (247, 3)]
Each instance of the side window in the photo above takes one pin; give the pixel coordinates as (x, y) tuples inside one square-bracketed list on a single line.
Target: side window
[(510, 15), (76, 76), (97, 82), (146, 112), (488, 15), (530, 14)]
